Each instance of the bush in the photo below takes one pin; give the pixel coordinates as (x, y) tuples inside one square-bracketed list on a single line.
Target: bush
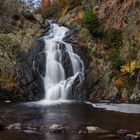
[(131, 67), (99, 33), (113, 38), (91, 20), (116, 59)]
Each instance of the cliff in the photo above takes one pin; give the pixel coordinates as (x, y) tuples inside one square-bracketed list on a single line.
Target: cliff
[(105, 33), (19, 31), (113, 47)]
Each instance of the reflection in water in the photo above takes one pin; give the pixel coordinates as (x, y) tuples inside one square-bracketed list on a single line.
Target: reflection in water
[(73, 116)]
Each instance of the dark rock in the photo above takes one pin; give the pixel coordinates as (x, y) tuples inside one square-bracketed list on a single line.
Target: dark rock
[(31, 72), (57, 128), (35, 126), (2, 127), (122, 132), (82, 132), (15, 126), (77, 91), (132, 137), (66, 62)]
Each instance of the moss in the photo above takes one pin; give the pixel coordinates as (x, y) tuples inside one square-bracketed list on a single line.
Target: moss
[(116, 59)]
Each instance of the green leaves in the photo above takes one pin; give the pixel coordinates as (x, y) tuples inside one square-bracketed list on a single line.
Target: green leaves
[(91, 20)]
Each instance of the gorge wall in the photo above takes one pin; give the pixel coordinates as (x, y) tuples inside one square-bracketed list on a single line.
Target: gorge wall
[(111, 65), (106, 75)]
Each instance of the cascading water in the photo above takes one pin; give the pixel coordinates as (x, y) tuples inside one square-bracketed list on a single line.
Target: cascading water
[(57, 84)]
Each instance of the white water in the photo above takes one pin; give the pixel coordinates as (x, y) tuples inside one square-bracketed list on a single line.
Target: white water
[(57, 86)]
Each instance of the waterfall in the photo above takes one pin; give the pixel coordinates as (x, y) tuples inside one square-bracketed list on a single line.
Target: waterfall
[(57, 84)]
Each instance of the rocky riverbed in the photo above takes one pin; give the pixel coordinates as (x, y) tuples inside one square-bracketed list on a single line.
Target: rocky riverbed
[(65, 121)]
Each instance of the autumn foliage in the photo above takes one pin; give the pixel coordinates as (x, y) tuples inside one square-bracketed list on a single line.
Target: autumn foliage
[(131, 67)]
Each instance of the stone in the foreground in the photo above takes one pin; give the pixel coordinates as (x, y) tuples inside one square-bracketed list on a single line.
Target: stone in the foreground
[(132, 137), (56, 128), (122, 132), (82, 132), (14, 126), (96, 130)]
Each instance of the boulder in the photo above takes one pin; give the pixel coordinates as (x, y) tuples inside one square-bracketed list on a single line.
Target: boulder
[(132, 137), (96, 130), (56, 128), (39, 18), (15, 126), (122, 132), (82, 132)]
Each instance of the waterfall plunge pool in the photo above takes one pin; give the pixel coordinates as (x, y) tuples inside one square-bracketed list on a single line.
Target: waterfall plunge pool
[(74, 116)]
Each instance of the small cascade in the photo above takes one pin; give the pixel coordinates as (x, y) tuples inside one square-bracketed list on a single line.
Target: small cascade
[(57, 83)]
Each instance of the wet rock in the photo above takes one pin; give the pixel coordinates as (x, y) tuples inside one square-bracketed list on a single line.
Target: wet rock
[(95, 130), (122, 132), (15, 126), (31, 72), (82, 132), (125, 94), (56, 128), (39, 18), (136, 91), (132, 137), (33, 127)]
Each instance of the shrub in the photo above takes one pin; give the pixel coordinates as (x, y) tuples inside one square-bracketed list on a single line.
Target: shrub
[(131, 67), (116, 59), (99, 33), (113, 38), (91, 20)]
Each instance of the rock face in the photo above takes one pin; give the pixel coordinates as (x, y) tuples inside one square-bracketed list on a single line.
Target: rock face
[(102, 80), (31, 72), (22, 58), (21, 54), (17, 72)]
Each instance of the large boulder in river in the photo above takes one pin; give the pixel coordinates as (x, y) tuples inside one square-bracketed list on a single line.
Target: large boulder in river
[(57, 128)]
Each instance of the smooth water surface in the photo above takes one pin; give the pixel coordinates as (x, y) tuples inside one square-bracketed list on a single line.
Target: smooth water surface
[(74, 116)]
